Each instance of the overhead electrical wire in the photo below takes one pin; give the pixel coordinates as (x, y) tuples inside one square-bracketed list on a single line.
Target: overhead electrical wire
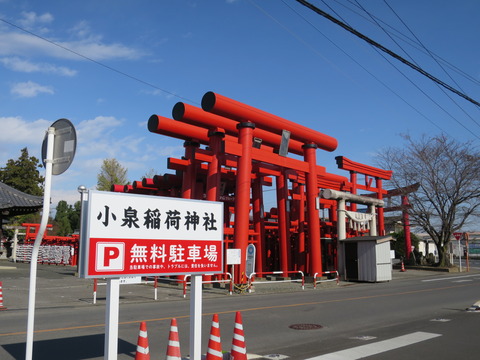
[(434, 59), (413, 43), (387, 51), (431, 54), (418, 88), (373, 75), (356, 62), (97, 62)]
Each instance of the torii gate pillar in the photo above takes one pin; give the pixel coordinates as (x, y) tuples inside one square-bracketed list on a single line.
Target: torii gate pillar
[(314, 241)]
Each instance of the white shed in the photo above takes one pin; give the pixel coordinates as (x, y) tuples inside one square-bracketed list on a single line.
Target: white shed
[(367, 258)]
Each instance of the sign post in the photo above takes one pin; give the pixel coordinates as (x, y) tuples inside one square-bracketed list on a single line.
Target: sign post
[(58, 151), (111, 319), (467, 256), (458, 236), (250, 260), (196, 318), (139, 235)]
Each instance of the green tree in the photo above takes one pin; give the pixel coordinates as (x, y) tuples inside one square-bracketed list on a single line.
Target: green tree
[(67, 218), (62, 218), (74, 216), (449, 192), (111, 173), (23, 174), (399, 243)]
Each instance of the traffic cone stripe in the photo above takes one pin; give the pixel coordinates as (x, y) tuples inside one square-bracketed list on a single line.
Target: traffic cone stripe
[(1, 298), (215, 338), (215, 353), (238, 349), (238, 337), (142, 350)]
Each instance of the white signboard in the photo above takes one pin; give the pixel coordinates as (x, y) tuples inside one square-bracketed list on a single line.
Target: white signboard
[(129, 234), (234, 256)]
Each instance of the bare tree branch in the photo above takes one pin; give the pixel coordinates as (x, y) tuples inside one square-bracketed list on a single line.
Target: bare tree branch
[(449, 192)]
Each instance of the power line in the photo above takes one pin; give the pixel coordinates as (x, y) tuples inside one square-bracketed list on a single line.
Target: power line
[(423, 92), (413, 43), (384, 49), (97, 62), (431, 55), (420, 43), (360, 65), (378, 79)]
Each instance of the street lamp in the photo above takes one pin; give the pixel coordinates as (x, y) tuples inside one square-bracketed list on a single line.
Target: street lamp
[(82, 189)]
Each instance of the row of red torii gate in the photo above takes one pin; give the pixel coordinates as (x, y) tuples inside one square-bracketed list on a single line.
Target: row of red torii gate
[(235, 152)]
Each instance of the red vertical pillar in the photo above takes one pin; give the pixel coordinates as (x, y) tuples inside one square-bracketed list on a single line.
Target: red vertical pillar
[(214, 167), (353, 180), (315, 246), (190, 173), (242, 196), (406, 226), (259, 224), (297, 214), (302, 261), (283, 221), (380, 212), (214, 171)]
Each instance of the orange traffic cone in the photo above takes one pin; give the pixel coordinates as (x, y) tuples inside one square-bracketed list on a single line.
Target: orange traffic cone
[(403, 267), (214, 351), (1, 298), (143, 351), (239, 350), (173, 350)]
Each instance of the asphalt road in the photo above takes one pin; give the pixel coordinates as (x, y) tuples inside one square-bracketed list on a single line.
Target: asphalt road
[(419, 314)]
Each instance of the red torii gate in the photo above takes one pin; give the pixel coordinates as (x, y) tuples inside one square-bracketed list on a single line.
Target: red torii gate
[(245, 148), (405, 205)]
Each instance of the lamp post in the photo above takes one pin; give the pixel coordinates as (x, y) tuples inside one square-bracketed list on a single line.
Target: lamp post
[(82, 189)]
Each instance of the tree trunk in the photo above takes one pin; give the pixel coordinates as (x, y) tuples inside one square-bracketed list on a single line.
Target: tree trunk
[(442, 258)]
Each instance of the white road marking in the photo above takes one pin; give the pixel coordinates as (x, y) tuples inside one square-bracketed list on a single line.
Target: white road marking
[(362, 351), (451, 278), (363, 337)]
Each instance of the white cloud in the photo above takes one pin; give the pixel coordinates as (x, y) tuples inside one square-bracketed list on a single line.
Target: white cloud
[(19, 44), (30, 19), (30, 89), (16, 130), (98, 127), (82, 30), (20, 65), (99, 51)]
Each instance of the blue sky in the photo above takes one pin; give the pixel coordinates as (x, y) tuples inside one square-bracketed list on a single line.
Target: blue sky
[(108, 65)]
